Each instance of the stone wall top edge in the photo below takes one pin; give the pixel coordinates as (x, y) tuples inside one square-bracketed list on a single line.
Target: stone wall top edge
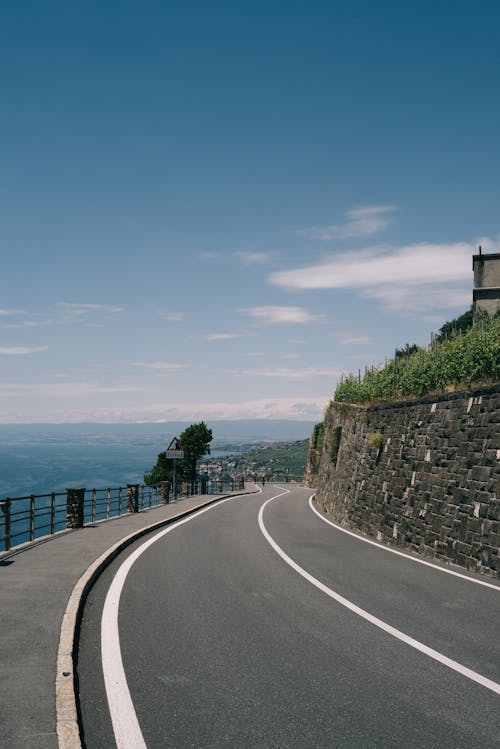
[(424, 400)]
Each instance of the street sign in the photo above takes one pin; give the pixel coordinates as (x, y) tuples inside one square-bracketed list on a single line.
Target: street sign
[(174, 450)]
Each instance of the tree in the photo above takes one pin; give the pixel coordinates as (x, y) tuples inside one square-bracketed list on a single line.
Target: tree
[(458, 325), (162, 471), (195, 442)]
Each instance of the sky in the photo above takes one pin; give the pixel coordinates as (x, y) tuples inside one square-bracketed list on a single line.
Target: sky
[(213, 210)]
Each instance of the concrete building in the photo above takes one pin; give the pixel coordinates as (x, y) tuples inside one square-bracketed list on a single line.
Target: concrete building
[(486, 294)]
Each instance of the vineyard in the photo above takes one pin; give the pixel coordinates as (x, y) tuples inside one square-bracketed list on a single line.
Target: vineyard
[(461, 359)]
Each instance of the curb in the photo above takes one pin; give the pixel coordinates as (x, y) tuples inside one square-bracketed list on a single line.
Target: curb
[(67, 719)]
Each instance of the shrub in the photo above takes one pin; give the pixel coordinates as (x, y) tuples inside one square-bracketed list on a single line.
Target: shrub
[(376, 439)]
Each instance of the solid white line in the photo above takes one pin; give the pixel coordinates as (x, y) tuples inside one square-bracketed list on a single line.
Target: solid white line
[(463, 670), (401, 553), (126, 727)]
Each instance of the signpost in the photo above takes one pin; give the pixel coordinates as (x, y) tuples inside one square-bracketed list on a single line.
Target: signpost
[(174, 452)]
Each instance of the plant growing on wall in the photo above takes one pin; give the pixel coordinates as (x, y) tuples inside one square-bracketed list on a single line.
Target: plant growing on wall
[(336, 439), (376, 439)]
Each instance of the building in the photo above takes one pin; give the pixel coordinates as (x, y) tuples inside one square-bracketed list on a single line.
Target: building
[(486, 294)]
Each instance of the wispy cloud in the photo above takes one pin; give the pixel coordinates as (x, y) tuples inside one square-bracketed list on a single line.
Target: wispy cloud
[(273, 315), (162, 366), (208, 255), (253, 258), (21, 350), (307, 373), (65, 313), (77, 311), (62, 389), (406, 278), (347, 340), (224, 336), (364, 221), (10, 312), (170, 316)]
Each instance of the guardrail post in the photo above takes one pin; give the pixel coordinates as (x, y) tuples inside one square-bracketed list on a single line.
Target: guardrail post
[(132, 497), (32, 517), (164, 492), (5, 507), (74, 507), (53, 513)]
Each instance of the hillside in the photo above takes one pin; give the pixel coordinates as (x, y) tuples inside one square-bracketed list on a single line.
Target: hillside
[(280, 461)]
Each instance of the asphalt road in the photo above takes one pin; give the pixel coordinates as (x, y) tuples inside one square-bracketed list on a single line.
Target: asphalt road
[(224, 644)]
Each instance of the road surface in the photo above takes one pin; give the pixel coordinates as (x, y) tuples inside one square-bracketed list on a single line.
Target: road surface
[(257, 624)]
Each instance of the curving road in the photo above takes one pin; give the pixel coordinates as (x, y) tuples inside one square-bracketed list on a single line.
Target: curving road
[(257, 624)]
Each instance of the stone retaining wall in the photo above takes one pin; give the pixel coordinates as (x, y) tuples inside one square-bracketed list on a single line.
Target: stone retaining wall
[(423, 474)]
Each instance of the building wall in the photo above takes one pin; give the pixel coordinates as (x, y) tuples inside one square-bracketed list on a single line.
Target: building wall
[(486, 294), (424, 475)]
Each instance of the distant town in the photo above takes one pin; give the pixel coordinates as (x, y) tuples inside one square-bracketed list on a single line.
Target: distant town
[(277, 461)]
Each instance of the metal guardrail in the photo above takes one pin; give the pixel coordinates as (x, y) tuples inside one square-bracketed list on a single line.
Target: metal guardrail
[(35, 516)]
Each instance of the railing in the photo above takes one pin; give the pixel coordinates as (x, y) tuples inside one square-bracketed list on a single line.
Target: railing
[(29, 518)]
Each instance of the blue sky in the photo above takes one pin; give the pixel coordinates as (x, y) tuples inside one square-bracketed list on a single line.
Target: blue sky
[(210, 210)]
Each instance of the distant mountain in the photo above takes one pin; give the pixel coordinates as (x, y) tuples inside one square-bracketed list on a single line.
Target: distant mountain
[(247, 430)]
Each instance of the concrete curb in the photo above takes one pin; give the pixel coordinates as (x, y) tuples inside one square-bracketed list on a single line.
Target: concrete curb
[(67, 723)]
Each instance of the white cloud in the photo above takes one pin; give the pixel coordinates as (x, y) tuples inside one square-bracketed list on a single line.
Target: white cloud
[(207, 255), (423, 298), (355, 341), (61, 389), (253, 258), (309, 409), (361, 222), (170, 316), (66, 313), (21, 350), (163, 366), (8, 312), (79, 310), (291, 356), (272, 315), (307, 373), (399, 278), (224, 336)]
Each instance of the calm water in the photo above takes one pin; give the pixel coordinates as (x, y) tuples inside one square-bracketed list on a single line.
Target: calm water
[(37, 465), (41, 458)]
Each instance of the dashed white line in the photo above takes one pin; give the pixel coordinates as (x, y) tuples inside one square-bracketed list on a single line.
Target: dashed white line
[(401, 553), (430, 652)]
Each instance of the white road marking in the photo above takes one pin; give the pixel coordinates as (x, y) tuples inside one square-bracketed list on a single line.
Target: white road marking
[(126, 727), (434, 654), (401, 553)]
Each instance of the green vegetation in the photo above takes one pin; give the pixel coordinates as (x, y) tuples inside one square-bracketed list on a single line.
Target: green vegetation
[(317, 436), (334, 451), (458, 325), (376, 439), (195, 441), (467, 355)]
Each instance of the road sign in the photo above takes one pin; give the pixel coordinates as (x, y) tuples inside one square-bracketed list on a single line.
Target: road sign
[(174, 450)]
